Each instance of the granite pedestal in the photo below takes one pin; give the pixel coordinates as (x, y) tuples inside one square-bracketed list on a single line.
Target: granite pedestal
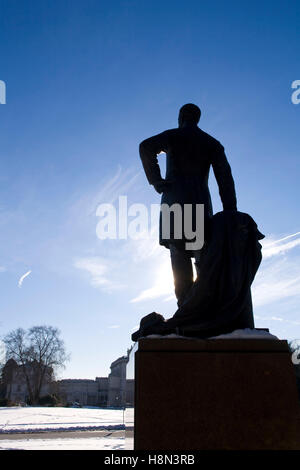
[(237, 394)]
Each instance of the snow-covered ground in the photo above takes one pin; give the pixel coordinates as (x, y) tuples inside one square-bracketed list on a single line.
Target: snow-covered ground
[(31, 420)]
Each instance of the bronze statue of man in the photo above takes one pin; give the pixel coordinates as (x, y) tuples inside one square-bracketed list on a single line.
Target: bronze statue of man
[(190, 153)]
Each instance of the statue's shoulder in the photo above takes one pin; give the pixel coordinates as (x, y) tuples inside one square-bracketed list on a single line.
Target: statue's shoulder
[(212, 141), (174, 131), (173, 134)]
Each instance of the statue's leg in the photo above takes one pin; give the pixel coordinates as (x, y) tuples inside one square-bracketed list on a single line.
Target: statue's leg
[(182, 272), (197, 256)]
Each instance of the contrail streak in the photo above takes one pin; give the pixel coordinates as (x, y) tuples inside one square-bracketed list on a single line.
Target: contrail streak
[(22, 278)]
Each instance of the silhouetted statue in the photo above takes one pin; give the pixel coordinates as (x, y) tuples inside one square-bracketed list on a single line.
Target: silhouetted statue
[(190, 154), (220, 298)]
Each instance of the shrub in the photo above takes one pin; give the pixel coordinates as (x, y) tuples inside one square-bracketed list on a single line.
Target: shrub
[(6, 402), (49, 400)]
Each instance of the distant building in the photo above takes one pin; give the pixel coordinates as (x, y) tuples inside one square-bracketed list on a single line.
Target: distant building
[(117, 382), (14, 381), (84, 391), (111, 391), (102, 390), (120, 389)]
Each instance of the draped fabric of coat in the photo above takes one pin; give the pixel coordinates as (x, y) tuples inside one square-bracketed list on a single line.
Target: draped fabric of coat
[(190, 153), (220, 298)]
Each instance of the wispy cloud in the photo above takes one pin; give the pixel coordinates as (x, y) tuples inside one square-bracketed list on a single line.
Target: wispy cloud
[(103, 271), (100, 272), (276, 282), (107, 192), (163, 285), (279, 275), (273, 247), (20, 282), (82, 211), (97, 269), (278, 319), (118, 185)]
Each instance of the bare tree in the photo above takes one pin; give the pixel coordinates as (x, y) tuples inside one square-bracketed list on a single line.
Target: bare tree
[(39, 352)]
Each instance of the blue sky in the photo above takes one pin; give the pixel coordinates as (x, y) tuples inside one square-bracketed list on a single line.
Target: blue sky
[(86, 82)]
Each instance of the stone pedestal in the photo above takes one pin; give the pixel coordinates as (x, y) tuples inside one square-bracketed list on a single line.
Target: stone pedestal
[(214, 394)]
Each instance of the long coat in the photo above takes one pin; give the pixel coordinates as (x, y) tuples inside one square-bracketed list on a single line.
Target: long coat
[(190, 154)]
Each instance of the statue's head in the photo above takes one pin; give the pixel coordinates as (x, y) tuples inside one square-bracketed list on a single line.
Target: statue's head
[(189, 114)]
